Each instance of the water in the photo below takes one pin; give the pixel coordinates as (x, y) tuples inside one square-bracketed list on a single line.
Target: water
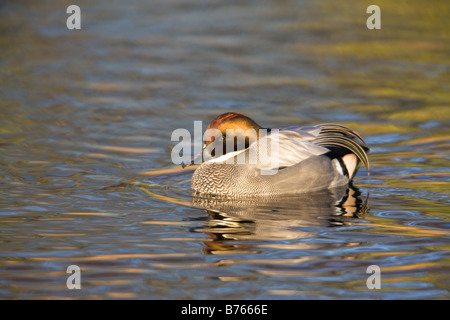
[(86, 118)]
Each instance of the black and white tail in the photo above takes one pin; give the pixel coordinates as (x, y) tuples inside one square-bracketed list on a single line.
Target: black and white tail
[(345, 150)]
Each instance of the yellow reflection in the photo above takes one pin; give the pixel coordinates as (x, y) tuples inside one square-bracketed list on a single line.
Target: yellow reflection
[(168, 170), (161, 222), (409, 230), (422, 174), (134, 270), (181, 239), (61, 234), (286, 292), (122, 295), (426, 114), (285, 273), (96, 155), (126, 149), (230, 278), (426, 140), (111, 257), (165, 198), (411, 266), (183, 266), (91, 213), (390, 253), (226, 262), (110, 282)]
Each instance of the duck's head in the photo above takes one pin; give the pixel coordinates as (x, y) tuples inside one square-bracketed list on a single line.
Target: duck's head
[(228, 132), (232, 128)]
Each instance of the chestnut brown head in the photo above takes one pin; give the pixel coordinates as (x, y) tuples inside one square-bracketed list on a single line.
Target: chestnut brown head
[(231, 131)]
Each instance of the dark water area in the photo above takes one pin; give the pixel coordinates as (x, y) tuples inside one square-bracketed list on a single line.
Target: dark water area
[(86, 176)]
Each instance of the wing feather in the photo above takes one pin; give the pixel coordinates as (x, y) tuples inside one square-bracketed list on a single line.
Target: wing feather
[(287, 146)]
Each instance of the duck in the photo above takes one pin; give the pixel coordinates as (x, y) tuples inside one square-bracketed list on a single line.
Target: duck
[(241, 159)]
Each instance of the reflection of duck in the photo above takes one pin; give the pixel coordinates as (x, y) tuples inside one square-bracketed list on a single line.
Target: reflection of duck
[(232, 220), (284, 161)]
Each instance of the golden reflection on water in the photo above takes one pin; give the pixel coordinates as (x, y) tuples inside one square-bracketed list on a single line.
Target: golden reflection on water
[(165, 198), (125, 149), (168, 170), (61, 234), (403, 230), (91, 213), (110, 257)]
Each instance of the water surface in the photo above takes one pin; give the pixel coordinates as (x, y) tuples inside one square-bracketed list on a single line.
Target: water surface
[(86, 118)]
